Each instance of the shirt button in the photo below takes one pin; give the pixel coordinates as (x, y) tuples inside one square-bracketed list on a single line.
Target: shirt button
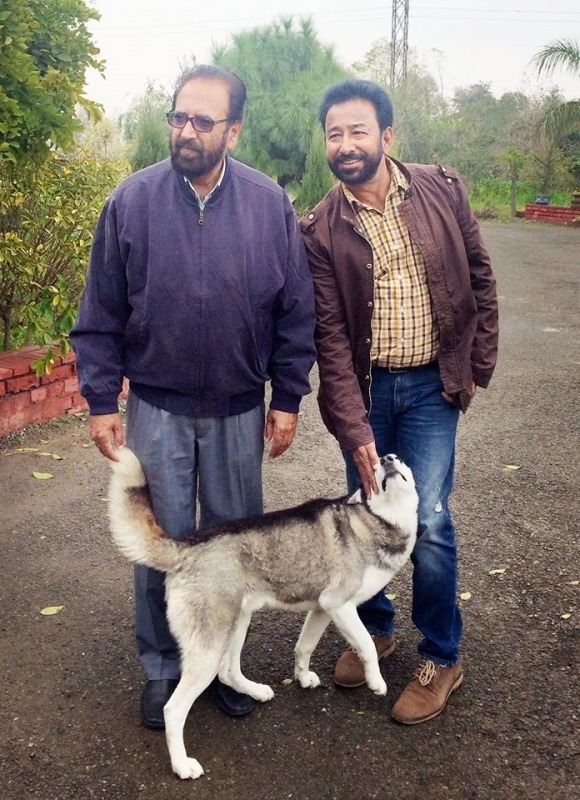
[(370, 305), (367, 377), (369, 266), (367, 341), (311, 216)]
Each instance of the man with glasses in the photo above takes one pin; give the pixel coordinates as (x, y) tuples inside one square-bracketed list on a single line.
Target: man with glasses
[(199, 292)]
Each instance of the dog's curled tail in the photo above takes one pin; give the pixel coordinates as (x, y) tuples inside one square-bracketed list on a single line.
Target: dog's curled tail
[(132, 523)]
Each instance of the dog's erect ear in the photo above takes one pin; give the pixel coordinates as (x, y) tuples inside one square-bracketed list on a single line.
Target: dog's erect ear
[(355, 498)]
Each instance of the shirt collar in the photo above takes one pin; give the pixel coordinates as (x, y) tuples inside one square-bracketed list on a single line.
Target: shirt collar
[(203, 203), (399, 184)]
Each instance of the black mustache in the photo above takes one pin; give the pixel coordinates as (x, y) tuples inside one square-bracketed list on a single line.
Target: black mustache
[(342, 159), (188, 146)]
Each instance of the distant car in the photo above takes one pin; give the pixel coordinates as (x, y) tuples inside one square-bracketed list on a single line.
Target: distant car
[(542, 200)]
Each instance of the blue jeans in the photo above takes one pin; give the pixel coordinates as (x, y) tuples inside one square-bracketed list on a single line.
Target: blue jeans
[(409, 417)]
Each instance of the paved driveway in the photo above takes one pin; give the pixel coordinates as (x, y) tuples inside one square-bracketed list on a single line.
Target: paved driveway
[(70, 683)]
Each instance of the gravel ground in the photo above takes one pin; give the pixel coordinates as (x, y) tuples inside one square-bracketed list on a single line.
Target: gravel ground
[(70, 683)]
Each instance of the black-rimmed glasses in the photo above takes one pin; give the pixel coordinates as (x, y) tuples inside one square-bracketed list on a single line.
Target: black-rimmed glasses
[(200, 123)]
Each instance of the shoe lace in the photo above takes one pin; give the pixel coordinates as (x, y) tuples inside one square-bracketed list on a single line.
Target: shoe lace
[(426, 672)]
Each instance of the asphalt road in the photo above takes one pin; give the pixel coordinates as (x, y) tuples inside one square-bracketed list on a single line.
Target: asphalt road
[(70, 682)]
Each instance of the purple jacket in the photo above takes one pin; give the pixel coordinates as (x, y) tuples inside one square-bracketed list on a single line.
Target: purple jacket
[(461, 285), (198, 310)]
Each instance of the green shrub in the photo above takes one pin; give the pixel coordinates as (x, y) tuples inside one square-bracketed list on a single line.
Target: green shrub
[(494, 193), (47, 217)]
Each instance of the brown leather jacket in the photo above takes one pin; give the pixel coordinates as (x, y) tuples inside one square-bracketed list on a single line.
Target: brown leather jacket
[(437, 213)]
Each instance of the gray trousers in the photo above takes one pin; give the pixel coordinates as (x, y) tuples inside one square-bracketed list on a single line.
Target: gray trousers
[(215, 463)]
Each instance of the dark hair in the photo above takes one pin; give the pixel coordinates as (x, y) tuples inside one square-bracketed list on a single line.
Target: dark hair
[(357, 89), (236, 86)]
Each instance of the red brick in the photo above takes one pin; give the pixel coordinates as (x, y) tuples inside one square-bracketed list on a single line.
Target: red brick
[(15, 385), (14, 403), (5, 372), (2, 388), (54, 389), (38, 395), (71, 385), (57, 374), (20, 365), (54, 407), (78, 404)]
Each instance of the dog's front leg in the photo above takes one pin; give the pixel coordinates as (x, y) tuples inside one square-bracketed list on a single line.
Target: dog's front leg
[(348, 622), (314, 626)]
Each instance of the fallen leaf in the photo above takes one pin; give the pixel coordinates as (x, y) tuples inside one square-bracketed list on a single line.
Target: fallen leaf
[(574, 583), (361, 713), (21, 450), (465, 595), (287, 681), (566, 616), (42, 476), (392, 596), (50, 610), (508, 467), (499, 571), (52, 455), (44, 441)]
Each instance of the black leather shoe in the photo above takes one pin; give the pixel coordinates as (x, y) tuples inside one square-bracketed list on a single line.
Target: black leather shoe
[(231, 702), (155, 695)]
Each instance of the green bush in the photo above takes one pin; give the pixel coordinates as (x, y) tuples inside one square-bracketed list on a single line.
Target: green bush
[(494, 194), (47, 217)]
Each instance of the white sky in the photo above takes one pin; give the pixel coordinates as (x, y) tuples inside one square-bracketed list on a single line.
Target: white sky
[(460, 41)]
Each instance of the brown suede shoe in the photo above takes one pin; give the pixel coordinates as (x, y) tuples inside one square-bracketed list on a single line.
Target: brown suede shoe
[(427, 694), (349, 670)]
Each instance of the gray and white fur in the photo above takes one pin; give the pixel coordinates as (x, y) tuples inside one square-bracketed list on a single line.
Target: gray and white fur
[(324, 557)]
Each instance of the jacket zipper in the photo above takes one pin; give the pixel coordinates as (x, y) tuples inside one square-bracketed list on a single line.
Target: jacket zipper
[(370, 372)]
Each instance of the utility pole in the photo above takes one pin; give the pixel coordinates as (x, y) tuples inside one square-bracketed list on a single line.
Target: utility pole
[(399, 43)]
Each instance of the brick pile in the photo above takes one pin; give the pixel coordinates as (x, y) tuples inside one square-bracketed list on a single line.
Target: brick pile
[(26, 399)]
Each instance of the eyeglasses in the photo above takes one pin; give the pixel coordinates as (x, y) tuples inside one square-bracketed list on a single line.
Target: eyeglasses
[(200, 123)]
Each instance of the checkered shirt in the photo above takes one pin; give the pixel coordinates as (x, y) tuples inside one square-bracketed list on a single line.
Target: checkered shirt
[(404, 329)]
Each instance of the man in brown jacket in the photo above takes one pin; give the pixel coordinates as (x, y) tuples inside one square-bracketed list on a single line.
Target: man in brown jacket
[(406, 331)]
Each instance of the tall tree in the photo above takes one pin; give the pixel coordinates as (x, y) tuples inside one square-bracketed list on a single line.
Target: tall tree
[(417, 104), (145, 128), (564, 54), (286, 70), (45, 52)]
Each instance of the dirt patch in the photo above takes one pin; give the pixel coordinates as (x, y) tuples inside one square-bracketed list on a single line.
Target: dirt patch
[(71, 682)]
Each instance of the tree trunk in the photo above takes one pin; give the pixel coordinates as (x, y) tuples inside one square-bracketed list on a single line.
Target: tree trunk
[(6, 314)]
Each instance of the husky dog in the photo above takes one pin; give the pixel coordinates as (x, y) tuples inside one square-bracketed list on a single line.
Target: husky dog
[(324, 557)]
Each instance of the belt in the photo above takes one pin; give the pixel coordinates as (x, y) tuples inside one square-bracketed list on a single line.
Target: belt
[(430, 365)]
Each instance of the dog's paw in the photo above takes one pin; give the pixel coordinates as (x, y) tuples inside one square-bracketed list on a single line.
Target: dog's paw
[(260, 692), (308, 680), (187, 768), (378, 687)]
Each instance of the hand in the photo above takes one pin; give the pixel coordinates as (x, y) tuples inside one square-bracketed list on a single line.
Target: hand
[(451, 399), (106, 431), (366, 459), (280, 430)]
